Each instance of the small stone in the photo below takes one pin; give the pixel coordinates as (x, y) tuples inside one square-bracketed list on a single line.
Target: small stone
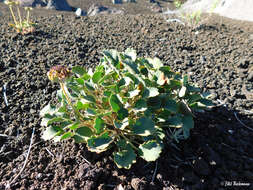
[(79, 12), (250, 76), (32, 111), (137, 183)]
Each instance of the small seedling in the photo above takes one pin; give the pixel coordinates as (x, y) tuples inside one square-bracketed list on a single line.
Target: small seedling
[(21, 26), (177, 4), (127, 104)]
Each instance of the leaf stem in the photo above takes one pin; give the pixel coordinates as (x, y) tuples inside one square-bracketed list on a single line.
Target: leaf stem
[(134, 147), (13, 16), (77, 113), (19, 15)]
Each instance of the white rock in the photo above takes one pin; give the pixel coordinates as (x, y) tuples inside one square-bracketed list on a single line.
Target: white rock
[(79, 12)]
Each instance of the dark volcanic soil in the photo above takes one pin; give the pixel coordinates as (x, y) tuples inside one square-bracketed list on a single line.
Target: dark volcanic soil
[(219, 152)]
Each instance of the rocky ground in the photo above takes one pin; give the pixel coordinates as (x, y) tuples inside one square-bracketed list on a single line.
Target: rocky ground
[(218, 57)]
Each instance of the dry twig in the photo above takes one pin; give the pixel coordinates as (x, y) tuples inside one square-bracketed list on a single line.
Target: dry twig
[(242, 122), (26, 159), (154, 174)]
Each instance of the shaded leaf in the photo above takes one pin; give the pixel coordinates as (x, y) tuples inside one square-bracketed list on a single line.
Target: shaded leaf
[(84, 131), (121, 125), (171, 105), (188, 124), (144, 126), (154, 103), (122, 114), (125, 158), (100, 143), (89, 98), (140, 105), (78, 139)]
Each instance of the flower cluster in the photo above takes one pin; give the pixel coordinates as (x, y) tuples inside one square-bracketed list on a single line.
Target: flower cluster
[(58, 73)]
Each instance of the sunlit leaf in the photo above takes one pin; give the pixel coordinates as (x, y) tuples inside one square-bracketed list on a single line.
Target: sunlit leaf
[(131, 53), (150, 150), (97, 76), (115, 103), (99, 125), (66, 135), (48, 109), (51, 132), (78, 70), (182, 92)]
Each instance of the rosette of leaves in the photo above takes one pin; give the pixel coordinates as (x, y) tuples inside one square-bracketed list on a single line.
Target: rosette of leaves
[(127, 104)]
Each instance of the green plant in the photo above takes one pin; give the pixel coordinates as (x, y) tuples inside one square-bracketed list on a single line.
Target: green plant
[(126, 103), (177, 4), (193, 19), (25, 26)]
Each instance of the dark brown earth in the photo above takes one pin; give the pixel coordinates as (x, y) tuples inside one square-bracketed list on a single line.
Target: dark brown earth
[(219, 152)]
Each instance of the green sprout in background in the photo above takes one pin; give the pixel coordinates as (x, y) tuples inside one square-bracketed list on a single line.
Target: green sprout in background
[(194, 18), (21, 26)]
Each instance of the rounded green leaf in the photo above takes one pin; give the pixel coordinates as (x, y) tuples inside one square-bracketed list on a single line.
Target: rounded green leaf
[(144, 126), (99, 125), (78, 139), (125, 158), (99, 144), (84, 131), (97, 76), (79, 70), (171, 105), (115, 103), (154, 103), (150, 150)]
